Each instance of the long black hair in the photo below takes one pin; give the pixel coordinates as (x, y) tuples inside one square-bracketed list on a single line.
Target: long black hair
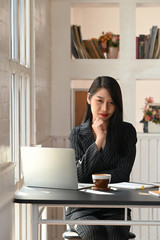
[(115, 122)]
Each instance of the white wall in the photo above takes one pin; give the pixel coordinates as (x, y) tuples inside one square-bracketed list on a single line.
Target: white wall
[(60, 62), (42, 78), (95, 20)]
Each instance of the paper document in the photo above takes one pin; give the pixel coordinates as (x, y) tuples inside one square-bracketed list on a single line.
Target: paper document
[(84, 185), (155, 193), (132, 185)]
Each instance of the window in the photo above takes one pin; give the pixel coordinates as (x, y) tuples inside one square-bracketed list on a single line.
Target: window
[(20, 78)]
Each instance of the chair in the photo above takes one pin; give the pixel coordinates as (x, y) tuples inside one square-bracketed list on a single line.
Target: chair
[(68, 234)]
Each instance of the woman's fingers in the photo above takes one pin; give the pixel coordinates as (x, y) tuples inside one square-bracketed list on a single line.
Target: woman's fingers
[(99, 123)]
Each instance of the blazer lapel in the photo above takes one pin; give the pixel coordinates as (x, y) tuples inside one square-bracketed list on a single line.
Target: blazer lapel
[(86, 135)]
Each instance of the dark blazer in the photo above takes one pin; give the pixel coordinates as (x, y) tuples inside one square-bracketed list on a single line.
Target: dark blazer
[(89, 160)]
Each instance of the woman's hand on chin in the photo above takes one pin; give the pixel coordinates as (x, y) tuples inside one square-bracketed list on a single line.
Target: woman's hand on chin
[(100, 132)]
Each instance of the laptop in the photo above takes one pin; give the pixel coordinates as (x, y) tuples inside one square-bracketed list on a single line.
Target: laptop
[(49, 167)]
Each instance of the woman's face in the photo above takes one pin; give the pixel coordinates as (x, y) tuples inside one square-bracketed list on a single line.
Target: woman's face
[(102, 105)]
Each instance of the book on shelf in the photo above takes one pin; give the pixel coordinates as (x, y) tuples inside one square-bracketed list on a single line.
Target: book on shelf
[(74, 47), (94, 48), (82, 44), (152, 39), (76, 41), (141, 46), (137, 47), (146, 45), (89, 49), (98, 48), (156, 51)]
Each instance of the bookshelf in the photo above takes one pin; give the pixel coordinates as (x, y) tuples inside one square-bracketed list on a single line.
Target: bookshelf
[(128, 70)]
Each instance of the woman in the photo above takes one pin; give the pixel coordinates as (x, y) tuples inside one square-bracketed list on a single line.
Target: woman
[(103, 143)]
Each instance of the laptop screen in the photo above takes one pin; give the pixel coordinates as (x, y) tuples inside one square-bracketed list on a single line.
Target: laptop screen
[(49, 167)]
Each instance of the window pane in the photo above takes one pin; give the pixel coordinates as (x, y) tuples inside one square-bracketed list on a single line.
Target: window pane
[(22, 112), (15, 122), (27, 90), (28, 33), (10, 27), (14, 26), (13, 116), (22, 32)]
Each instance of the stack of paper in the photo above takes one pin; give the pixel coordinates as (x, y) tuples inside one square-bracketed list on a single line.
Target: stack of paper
[(131, 185), (156, 193)]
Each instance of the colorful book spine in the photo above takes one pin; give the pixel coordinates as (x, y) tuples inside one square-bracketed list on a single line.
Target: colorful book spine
[(137, 47)]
